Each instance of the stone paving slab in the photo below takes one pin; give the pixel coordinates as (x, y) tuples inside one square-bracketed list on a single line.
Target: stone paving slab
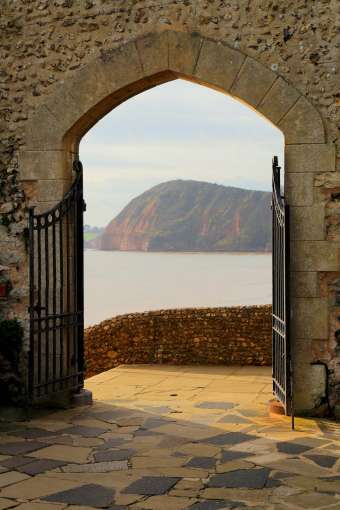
[(171, 438)]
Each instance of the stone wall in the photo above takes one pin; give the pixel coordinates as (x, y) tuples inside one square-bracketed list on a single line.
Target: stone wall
[(227, 336)]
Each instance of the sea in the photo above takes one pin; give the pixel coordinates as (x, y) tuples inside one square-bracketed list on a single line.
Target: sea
[(118, 282)]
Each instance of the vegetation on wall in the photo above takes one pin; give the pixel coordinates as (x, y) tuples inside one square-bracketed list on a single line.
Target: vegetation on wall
[(11, 339)]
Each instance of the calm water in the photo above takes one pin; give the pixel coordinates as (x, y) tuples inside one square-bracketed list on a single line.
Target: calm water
[(122, 282)]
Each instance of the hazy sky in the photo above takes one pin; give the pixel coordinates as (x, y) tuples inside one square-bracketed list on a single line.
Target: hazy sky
[(178, 130)]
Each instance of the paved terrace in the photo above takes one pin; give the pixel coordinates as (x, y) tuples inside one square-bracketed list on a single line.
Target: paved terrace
[(171, 438)]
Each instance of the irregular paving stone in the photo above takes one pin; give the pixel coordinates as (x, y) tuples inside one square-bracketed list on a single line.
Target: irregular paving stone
[(130, 421), (108, 455), (230, 438), (292, 448), (280, 475), (201, 462), (40, 466), (233, 465), (111, 443), (164, 502), (10, 478), (151, 485), (91, 494), (215, 505), (241, 479), (151, 423), (205, 419), (157, 409), (298, 466), (20, 448), (229, 455), (96, 467), (172, 442), (233, 418), (143, 432), (250, 412), (326, 461), (112, 415), (271, 482), (215, 405), (312, 500), (34, 433), (80, 430), (17, 461), (37, 487), (7, 503)]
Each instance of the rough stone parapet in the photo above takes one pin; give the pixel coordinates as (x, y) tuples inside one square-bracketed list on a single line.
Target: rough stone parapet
[(239, 335)]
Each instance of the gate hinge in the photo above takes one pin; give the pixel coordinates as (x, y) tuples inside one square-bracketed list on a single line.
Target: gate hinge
[(84, 206)]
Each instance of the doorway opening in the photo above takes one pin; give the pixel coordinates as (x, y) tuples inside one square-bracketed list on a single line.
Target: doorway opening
[(145, 253)]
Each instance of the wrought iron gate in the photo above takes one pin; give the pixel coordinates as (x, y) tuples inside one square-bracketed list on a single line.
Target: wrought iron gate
[(282, 363), (56, 295)]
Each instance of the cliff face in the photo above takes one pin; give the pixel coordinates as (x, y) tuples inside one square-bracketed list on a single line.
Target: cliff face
[(191, 216)]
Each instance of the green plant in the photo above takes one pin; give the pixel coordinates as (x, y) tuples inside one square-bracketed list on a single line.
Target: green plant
[(11, 337), (5, 220)]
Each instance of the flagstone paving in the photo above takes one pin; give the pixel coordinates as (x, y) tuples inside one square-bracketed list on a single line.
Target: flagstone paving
[(171, 438)]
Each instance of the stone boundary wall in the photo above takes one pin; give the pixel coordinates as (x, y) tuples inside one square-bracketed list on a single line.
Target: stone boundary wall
[(239, 335)]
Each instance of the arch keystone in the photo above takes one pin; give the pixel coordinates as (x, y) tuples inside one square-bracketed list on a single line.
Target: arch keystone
[(183, 52), (153, 50)]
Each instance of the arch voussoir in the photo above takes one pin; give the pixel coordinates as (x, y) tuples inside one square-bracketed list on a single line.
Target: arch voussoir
[(302, 124), (252, 82), (278, 100), (218, 65)]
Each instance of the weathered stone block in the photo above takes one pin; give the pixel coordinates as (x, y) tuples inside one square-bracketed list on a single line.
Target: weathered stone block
[(302, 124), (41, 207), (52, 190), (43, 131), (121, 66), (307, 223), (314, 256), (310, 318), (34, 165), (304, 284), (278, 100), (309, 158), (153, 50), (183, 52), (310, 386), (299, 189), (252, 82), (218, 64), (327, 180)]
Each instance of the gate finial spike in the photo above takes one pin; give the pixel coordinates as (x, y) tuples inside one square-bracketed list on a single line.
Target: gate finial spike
[(77, 166)]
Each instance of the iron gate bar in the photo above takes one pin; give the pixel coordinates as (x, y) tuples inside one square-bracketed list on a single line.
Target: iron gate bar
[(56, 295), (282, 362)]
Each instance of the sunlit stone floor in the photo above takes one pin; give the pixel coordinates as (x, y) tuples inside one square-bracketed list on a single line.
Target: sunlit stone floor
[(171, 438)]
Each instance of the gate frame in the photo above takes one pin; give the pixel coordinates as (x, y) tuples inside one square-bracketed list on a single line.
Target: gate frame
[(85, 95)]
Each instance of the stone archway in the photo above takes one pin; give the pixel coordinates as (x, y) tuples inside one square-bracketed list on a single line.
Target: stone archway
[(83, 97)]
